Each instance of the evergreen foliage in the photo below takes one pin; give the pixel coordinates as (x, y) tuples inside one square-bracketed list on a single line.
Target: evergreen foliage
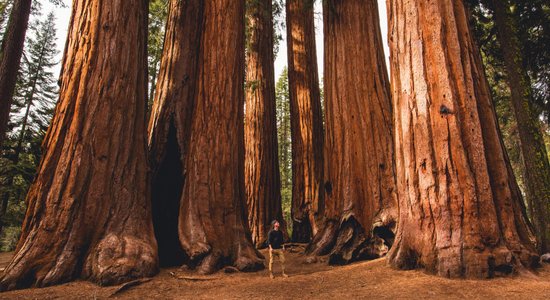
[(285, 144), (158, 12), (32, 109)]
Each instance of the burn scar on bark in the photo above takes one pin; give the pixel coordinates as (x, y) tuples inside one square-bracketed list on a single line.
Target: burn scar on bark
[(328, 187), (423, 165), (444, 110)]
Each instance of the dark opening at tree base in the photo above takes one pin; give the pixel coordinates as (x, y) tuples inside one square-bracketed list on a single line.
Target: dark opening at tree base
[(386, 232), (301, 231), (166, 194)]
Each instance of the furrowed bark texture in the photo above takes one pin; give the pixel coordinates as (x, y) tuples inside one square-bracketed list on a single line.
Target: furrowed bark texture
[(360, 190), (306, 120), (170, 123), (211, 223), (532, 144), (461, 212), (88, 209), (10, 58), (261, 167)]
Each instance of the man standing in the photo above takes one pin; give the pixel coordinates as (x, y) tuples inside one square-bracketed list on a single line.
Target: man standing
[(275, 240)]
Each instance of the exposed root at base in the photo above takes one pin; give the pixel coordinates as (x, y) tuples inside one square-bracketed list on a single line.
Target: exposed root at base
[(347, 242), (473, 263)]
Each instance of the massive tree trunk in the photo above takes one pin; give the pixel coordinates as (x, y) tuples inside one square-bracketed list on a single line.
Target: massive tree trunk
[(88, 211), (460, 209), (196, 139), (170, 123), (10, 57), (360, 191), (261, 167), (533, 149), (306, 120)]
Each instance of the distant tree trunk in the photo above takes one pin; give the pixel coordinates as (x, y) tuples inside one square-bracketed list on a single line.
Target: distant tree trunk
[(461, 211), (533, 149), (170, 123), (10, 57), (306, 120), (196, 138), (88, 211), (261, 165), (153, 82), (360, 190)]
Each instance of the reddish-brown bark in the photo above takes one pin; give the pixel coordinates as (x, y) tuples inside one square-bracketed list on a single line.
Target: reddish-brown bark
[(88, 209), (197, 135), (306, 120), (170, 122), (261, 167), (461, 212), (10, 58), (360, 191)]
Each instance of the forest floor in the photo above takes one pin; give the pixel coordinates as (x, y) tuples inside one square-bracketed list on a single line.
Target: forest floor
[(363, 280)]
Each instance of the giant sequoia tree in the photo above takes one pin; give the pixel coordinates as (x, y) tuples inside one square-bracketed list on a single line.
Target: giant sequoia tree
[(533, 149), (360, 191), (10, 57), (460, 210), (170, 123), (88, 209), (306, 119), (196, 139), (261, 168)]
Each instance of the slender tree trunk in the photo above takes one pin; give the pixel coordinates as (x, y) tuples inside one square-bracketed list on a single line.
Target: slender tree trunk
[(196, 139), (153, 81), (261, 165), (306, 120), (533, 149), (360, 190), (88, 211), (461, 212), (10, 57)]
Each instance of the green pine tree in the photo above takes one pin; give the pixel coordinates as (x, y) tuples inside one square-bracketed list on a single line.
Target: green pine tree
[(158, 12), (5, 6), (282, 99), (34, 101)]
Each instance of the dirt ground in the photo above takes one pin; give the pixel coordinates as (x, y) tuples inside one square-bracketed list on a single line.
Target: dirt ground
[(364, 280)]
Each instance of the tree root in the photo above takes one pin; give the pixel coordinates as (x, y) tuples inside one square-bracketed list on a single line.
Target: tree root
[(473, 263), (112, 261), (347, 241)]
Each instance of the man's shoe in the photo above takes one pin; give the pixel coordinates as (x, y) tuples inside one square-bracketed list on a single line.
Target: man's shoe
[(271, 275), (285, 276)]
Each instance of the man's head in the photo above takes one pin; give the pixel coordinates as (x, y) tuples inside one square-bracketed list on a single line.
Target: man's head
[(275, 224)]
